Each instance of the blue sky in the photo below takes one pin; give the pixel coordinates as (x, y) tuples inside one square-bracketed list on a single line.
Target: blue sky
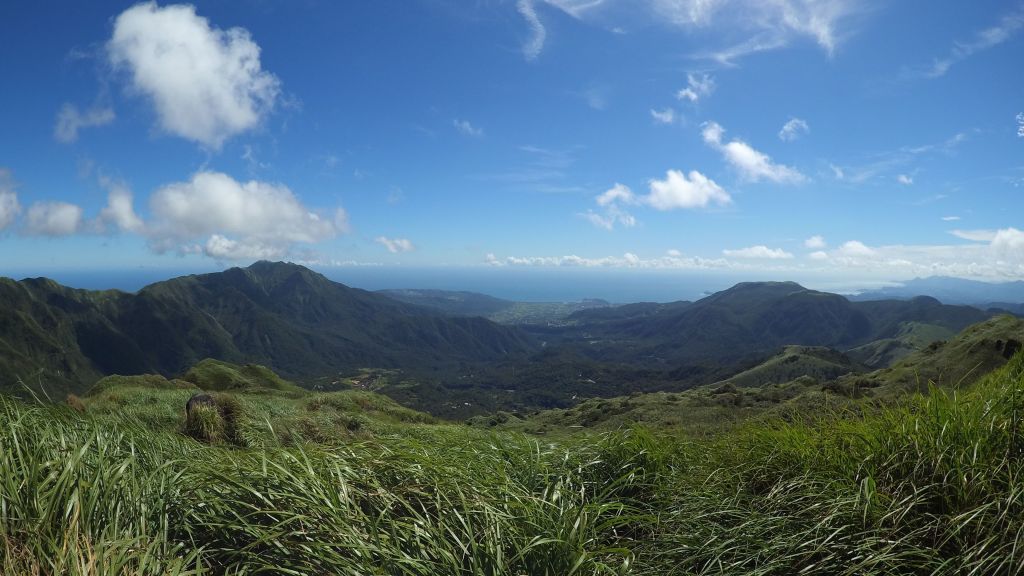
[(831, 139)]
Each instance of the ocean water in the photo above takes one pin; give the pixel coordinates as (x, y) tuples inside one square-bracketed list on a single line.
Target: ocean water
[(542, 285)]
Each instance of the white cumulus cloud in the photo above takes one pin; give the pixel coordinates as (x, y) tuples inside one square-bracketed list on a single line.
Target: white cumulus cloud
[(759, 251), (617, 193), (794, 129), (258, 216), (395, 245), (855, 248), (223, 248), (53, 219), (678, 190), (612, 213), (9, 206), (905, 179), (206, 84), (627, 260), (816, 242), (70, 120), (612, 216), (751, 164), (991, 254), (119, 212), (697, 87), (664, 116), (1008, 243), (467, 129)]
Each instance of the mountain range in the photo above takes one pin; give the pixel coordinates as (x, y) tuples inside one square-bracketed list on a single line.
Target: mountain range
[(749, 320), (314, 331)]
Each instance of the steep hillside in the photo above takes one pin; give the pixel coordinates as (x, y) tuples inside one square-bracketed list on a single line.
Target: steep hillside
[(976, 351)]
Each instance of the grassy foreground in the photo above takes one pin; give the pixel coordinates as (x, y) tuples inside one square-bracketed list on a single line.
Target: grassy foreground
[(934, 486)]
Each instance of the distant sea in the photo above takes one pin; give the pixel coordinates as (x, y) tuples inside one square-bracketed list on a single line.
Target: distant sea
[(520, 284)]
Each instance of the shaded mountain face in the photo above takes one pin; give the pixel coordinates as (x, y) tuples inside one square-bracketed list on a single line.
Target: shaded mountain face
[(280, 315)]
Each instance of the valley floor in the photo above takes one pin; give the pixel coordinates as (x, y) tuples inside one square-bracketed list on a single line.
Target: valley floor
[(930, 486)]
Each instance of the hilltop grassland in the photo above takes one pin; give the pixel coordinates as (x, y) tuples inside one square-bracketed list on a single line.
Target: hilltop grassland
[(930, 485)]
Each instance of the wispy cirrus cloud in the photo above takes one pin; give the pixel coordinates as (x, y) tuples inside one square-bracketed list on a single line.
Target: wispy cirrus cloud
[(70, 120), (794, 129), (763, 25), (538, 33), (544, 170), (975, 235), (1007, 27), (760, 25), (886, 163), (395, 245)]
